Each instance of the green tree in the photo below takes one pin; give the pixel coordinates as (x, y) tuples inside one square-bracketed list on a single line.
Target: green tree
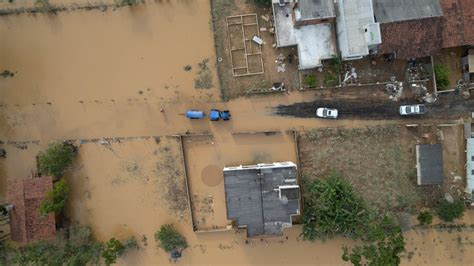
[(383, 245), (169, 239), (56, 159), (76, 249), (449, 211), (425, 218), (332, 208), (55, 199), (112, 249), (442, 76)]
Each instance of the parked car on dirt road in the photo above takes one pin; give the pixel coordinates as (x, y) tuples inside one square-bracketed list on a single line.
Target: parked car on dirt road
[(324, 112), (416, 109)]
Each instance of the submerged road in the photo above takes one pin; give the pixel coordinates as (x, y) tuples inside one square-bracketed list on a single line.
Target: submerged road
[(446, 107)]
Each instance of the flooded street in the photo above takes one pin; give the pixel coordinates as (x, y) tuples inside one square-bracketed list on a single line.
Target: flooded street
[(131, 73)]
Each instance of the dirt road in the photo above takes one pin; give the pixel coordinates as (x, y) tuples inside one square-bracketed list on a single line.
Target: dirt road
[(447, 107)]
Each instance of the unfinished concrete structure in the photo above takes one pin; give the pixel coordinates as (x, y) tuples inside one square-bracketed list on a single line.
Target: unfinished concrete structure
[(358, 33), (263, 197), (429, 164), (307, 24)]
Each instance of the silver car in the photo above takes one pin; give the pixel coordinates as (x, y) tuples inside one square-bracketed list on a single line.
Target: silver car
[(324, 112), (416, 109)]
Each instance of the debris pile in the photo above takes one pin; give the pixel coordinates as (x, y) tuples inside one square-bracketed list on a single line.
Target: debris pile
[(421, 93), (395, 90), (280, 62), (417, 71), (350, 76)]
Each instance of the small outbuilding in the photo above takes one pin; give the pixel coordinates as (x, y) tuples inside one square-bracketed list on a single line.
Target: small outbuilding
[(26, 196), (429, 164)]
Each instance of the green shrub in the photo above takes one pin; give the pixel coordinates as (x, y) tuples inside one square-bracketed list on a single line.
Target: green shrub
[(169, 239), (126, 2), (112, 249), (55, 199), (449, 211), (332, 208), (310, 80), (442, 76), (78, 249), (383, 244), (56, 159), (425, 218)]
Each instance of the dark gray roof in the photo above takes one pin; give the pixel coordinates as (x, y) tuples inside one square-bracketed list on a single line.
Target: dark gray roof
[(252, 200), (316, 9), (429, 164), (399, 10)]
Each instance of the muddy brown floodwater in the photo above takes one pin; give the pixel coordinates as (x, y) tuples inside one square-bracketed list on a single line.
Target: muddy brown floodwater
[(94, 74)]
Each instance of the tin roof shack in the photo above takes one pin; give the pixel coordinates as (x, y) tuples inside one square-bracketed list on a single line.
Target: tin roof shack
[(429, 164), (263, 198), (26, 195), (307, 25), (409, 28), (358, 34)]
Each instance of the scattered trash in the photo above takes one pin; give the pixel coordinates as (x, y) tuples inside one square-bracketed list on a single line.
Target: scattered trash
[(265, 17), (263, 29), (350, 76), (281, 66), (278, 86), (257, 40), (449, 198)]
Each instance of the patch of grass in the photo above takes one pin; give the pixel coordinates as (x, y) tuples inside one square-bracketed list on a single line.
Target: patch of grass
[(310, 80), (330, 80), (442, 76), (204, 79)]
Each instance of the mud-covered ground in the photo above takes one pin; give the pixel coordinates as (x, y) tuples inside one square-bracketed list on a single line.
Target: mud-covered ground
[(447, 107)]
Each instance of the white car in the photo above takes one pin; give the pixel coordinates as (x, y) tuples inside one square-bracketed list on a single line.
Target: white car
[(416, 109), (326, 112)]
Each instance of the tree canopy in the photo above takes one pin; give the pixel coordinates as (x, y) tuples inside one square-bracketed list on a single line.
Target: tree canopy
[(56, 159), (55, 199)]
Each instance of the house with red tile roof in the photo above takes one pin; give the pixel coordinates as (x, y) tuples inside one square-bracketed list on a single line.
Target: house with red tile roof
[(26, 196)]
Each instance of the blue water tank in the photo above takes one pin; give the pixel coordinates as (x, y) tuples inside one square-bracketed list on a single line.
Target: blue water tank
[(195, 114)]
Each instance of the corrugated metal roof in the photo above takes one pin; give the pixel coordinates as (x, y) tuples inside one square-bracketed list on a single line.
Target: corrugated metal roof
[(399, 10), (470, 166), (429, 164)]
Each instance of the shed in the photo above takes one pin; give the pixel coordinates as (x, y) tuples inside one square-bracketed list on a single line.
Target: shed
[(26, 196), (429, 164)]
